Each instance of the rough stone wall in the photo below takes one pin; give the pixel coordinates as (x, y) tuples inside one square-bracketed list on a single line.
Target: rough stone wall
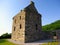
[(47, 35), (32, 27), (58, 34), (51, 34), (19, 23)]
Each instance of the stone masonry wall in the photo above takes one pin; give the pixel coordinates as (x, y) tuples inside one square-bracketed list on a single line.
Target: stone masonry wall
[(19, 22), (33, 27)]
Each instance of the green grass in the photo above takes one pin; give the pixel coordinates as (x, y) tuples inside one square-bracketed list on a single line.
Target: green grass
[(52, 43), (5, 42)]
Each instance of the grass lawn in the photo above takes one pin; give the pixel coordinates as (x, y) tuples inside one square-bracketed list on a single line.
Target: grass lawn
[(5, 42), (52, 43)]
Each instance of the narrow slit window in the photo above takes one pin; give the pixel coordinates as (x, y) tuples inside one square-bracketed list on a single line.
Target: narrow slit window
[(20, 17), (20, 26), (15, 20), (36, 27), (14, 28)]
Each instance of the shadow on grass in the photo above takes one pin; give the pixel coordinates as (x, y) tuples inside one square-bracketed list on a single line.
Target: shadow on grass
[(2, 40)]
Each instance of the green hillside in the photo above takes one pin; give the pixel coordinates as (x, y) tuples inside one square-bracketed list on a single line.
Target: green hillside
[(53, 26)]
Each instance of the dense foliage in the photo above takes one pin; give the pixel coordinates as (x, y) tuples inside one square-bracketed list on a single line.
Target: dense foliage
[(6, 35), (53, 26)]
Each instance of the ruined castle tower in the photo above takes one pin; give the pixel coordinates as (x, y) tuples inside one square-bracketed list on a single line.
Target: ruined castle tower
[(27, 25)]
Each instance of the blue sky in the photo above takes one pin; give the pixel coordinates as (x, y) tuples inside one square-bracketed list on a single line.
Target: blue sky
[(49, 9)]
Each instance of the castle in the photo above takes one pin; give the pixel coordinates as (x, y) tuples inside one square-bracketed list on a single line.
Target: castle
[(27, 25)]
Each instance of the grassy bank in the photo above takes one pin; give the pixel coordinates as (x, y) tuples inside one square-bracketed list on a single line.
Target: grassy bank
[(5, 42), (52, 43)]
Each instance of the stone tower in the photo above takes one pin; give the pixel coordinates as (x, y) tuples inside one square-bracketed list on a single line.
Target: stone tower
[(27, 25)]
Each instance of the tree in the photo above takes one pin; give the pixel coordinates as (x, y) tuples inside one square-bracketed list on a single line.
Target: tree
[(6, 35)]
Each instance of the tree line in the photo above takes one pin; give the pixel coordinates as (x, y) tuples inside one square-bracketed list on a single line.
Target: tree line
[(5, 36)]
